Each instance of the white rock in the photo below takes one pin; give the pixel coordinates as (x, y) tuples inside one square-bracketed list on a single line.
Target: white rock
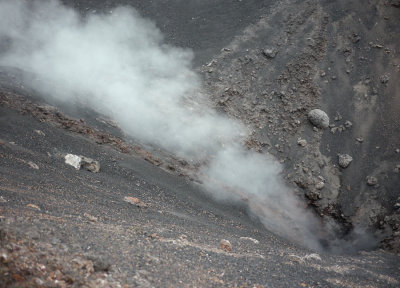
[(73, 160), (318, 118), (255, 241), (320, 185), (33, 165), (79, 162), (302, 142)]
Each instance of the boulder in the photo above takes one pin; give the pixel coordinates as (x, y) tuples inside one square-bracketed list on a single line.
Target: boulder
[(318, 118)]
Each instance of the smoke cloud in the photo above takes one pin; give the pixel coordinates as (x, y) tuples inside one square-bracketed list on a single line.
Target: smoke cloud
[(119, 64)]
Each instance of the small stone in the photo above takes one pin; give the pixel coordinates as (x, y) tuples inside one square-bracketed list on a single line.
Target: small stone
[(314, 196), (384, 79), (344, 160), (33, 165), (397, 150), (33, 206), (226, 245), (338, 117), (320, 185), (255, 241), (371, 180), (334, 129), (39, 132), (2, 200), (348, 124), (3, 256), (322, 74), (90, 217), (302, 142), (90, 164), (269, 53), (318, 118), (360, 139), (135, 201)]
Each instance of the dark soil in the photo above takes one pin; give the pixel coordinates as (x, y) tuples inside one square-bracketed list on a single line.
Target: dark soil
[(61, 227)]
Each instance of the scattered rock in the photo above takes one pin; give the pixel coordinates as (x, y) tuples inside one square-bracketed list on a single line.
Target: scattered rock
[(2, 200), (269, 53), (300, 259), (397, 150), (320, 185), (302, 142), (360, 139), (33, 206), (226, 245), (355, 38), (255, 241), (371, 180), (90, 164), (135, 201), (312, 256), (318, 118), (313, 195), (90, 217), (33, 165), (334, 129), (348, 124), (82, 162), (39, 132), (384, 79), (344, 160), (338, 117)]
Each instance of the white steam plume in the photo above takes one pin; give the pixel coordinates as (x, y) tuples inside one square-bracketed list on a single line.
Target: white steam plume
[(118, 64)]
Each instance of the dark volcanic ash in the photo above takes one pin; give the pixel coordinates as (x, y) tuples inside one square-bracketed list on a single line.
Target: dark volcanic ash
[(118, 64)]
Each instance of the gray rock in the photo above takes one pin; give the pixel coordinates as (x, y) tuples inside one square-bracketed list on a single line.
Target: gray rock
[(384, 79), (90, 164), (318, 118), (302, 142), (371, 180), (269, 53), (348, 124), (320, 185), (344, 160)]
